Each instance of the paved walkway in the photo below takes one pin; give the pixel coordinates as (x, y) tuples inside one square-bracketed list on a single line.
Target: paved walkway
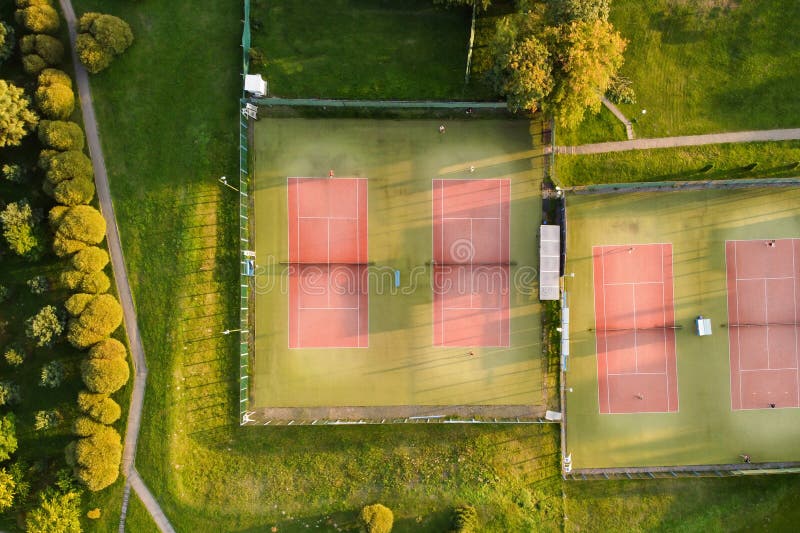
[(621, 117), (123, 286), (688, 140)]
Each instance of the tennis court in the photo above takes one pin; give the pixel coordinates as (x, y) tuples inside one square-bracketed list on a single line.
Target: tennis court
[(384, 272), (711, 249), (634, 321), (762, 322)]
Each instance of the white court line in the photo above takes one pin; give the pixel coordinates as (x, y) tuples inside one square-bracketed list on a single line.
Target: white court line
[(328, 308), (329, 218), (759, 279), (794, 293), (613, 283), (766, 317), (473, 308), (638, 374), (472, 218), (738, 330), (664, 320), (768, 369)]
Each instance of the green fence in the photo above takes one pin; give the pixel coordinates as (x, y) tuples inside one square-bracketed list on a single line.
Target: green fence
[(662, 186), (244, 231)]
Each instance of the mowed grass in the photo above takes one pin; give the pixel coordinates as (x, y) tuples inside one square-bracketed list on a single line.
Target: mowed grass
[(138, 519), (720, 65), (363, 49), (176, 134), (728, 161)]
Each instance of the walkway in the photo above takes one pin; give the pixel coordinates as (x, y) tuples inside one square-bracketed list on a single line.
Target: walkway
[(688, 140), (123, 286), (621, 117)]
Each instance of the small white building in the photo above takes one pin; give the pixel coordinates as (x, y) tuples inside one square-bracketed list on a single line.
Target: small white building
[(255, 85)]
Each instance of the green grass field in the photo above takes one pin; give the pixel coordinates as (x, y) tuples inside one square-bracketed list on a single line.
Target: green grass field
[(714, 66), (357, 49), (772, 159), (401, 367), (705, 430)]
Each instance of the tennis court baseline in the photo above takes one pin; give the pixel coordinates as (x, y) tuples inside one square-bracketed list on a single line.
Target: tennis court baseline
[(634, 325)]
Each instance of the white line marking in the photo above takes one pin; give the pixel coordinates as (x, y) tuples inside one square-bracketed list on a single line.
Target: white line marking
[(329, 218), (637, 373), (768, 369), (766, 317), (759, 279), (794, 293)]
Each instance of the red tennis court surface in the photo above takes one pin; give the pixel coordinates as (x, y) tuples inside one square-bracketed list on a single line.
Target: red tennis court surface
[(762, 317), (634, 315), (328, 289), (471, 262)]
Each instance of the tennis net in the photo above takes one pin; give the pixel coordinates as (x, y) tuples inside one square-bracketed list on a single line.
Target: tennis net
[(762, 325), (653, 328)]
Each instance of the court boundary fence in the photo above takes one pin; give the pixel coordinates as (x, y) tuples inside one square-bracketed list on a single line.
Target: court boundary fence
[(692, 471), (672, 186)]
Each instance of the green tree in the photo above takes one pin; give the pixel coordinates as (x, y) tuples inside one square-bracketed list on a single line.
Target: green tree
[(57, 101), (53, 76), (99, 319), (86, 282), (465, 519), (21, 230), (47, 47), (9, 395), (376, 518), (45, 326), (33, 63), (43, 420), (91, 259), (62, 135), (76, 228), (15, 173), (86, 427), (105, 371), (52, 374), (587, 55), (8, 489), (7, 41), (39, 18), (525, 74), (96, 458), (100, 407), (74, 192), (8, 436), (76, 303), (16, 119), (60, 166), (14, 356), (100, 39), (565, 11), (58, 512)]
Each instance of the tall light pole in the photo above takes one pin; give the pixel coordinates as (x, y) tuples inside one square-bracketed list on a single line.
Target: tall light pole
[(224, 180)]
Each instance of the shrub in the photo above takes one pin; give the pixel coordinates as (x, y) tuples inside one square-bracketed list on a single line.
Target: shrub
[(14, 356), (62, 135), (376, 518), (15, 173), (109, 349), (86, 282), (620, 90), (7, 41), (52, 375), (101, 39), (53, 76), (100, 318), (96, 459), (76, 303), (47, 419), (56, 101), (93, 514), (69, 165), (39, 18), (99, 406), (465, 519), (8, 489), (9, 395), (48, 48), (74, 192), (86, 427), (38, 285), (27, 3), (33, 64), (20, 230), (105, 374), (16, 117), (76, 228), (57, 512), (91, 259), (45, 326), (8, 436)]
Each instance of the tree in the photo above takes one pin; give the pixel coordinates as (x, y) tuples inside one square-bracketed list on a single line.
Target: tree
[(76, 228), (100, 39), (14, 356), (526, 76), (39, 18), (16, 119), (7, 41), (47, 419), (57, 101), (60, 166), (9, 394), (105, 371), (99, 406), (96, 458), (76, 303), (52, 374), (565, 11), (377, 518), (86, 282), (99, 319), (8, 489), (91, 259), (47, 47), (86, 427), (33, 63), (74, 192), (62, 135), (21, 231), (45, 326), (587, 55), (58, 512), (53, 76), (8, 436), (465, 519), (15, 173), (38, 285)]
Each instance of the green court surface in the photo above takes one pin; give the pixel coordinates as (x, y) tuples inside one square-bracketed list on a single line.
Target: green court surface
[(400, 367), (704, 430)]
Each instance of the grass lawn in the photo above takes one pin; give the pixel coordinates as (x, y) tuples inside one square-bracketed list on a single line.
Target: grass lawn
[(704, 429), (138, 518), (175, 136), (773, 159), (710, 67), (363, 49), (400, 365)]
